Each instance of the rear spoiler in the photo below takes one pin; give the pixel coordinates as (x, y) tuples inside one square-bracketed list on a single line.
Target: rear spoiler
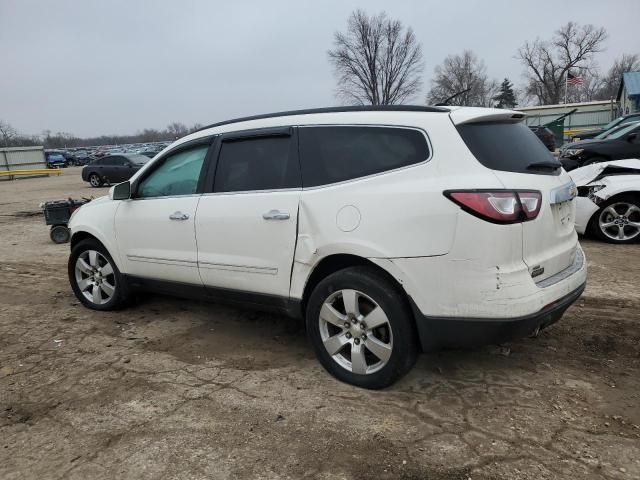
[(465, 115)]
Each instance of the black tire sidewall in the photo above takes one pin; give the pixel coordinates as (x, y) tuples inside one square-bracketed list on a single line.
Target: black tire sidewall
[(59, 228), (386, 295), (119, 299), (595, 219)]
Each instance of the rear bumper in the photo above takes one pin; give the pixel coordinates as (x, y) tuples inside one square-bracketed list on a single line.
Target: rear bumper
[(451, 332)]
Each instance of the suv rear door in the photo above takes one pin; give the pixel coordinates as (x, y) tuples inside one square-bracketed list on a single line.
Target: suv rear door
[(520, 161), (246, 224)]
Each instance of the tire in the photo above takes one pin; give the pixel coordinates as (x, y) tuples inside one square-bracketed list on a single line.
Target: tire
[(394, 337), (59, 234), (94, 180), (622, 214), (112, 289)]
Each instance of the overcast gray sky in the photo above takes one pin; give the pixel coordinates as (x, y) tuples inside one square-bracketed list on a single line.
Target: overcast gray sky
[(93, 67)]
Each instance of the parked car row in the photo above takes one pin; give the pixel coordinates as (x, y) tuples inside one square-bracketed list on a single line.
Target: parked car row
[(61, 158)]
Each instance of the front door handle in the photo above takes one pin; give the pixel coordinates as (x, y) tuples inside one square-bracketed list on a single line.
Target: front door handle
[(179, 216), (275, 215)]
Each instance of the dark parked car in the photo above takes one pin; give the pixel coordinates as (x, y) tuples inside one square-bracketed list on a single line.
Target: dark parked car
[(632, 117), (81, 157), (150, 153), (625, 143), (55, 159), (546, 136), (112, 169)]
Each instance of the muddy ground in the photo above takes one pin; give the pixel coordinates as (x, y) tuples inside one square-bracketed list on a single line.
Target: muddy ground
[(177, 389)]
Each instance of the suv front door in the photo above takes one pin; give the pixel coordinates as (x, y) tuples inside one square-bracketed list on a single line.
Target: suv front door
[(247, 222), (155, 229)]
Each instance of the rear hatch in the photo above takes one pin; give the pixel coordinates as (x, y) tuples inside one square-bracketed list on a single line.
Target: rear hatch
[(501, 142)]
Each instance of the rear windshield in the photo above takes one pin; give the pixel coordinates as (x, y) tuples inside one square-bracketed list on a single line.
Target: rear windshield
[(510, 147)]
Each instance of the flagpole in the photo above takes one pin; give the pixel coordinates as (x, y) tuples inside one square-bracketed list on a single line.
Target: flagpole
[(566, 86)]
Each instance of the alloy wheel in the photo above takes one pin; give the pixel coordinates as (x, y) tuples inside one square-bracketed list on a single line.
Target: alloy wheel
[(95, 277), (356, 332), (620, 221)]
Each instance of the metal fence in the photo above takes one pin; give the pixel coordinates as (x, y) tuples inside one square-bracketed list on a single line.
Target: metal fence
[(22, 158), (576, 122)]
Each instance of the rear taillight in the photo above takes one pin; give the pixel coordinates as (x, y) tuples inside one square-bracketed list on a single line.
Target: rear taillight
[(498, 206)]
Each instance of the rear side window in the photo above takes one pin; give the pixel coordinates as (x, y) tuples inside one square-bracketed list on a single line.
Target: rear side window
[(510, 147), (335, 154), (260, 163)]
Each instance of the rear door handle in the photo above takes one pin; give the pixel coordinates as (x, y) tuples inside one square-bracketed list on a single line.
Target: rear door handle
[(179, 216), (275, 215)]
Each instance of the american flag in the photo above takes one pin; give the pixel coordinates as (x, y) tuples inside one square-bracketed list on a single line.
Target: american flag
[(574, 79)]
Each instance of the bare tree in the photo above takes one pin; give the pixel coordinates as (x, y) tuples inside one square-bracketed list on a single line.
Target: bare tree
[(611, 82), (462, 73), (377, 61), (7, 134), (177, 130), (547, 62)]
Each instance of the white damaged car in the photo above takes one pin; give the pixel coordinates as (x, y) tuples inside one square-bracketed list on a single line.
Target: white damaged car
[(608, 202)]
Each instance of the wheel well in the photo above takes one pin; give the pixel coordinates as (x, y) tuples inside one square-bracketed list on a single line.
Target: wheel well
[(631, 193), (79, 236), (332, 264)]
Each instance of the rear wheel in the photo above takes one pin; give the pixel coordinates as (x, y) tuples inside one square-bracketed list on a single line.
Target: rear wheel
[(618, 220), (361, 328), (95, 180), (95, 278)]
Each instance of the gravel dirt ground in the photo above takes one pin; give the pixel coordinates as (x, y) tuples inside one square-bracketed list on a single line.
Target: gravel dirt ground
[(177, 389)]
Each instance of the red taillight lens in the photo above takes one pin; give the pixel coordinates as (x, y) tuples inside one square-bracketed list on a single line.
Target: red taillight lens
[(499, 206)]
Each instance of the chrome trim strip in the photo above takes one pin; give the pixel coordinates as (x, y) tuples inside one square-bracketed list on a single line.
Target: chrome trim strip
[(239, 268), (162, 261), (578, 263)]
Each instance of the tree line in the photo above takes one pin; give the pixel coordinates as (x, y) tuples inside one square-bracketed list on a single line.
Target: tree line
[(10, 137), (378, 61)]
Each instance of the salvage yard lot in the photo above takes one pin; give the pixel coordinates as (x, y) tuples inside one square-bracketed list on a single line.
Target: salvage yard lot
[(179, 389)]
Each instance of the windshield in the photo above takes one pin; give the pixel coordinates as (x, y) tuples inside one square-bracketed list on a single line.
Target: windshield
[(138, 158), (623, 131), (612, 123)]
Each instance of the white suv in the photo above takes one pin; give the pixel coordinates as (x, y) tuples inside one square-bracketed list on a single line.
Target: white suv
[(387, 228)]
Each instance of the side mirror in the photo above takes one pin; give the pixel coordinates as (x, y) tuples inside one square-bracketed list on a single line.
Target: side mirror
[(121, 191), (632, 137)]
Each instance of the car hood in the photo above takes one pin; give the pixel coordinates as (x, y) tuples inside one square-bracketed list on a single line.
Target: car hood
[(583, 144), (585, 175)]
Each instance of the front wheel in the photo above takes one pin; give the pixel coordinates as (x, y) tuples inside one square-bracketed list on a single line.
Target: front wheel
[(618, 220), (361, 328), (95, 278), (94, 180)]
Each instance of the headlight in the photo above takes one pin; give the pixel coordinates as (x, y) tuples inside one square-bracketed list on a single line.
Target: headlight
[(573, 152)]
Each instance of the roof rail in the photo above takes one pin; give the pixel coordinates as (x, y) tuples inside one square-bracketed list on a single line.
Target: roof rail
[(359, 108)]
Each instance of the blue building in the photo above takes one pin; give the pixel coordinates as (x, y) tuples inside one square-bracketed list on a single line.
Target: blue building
[(629, 93)]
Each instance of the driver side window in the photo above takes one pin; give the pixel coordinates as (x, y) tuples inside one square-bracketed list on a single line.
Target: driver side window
[(178, 174)]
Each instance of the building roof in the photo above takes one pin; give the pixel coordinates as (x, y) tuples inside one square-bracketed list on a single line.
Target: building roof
[(630, 81), (565, 105)]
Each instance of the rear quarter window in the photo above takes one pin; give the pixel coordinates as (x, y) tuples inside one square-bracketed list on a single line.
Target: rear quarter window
[(510, 147), (331, 154)]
